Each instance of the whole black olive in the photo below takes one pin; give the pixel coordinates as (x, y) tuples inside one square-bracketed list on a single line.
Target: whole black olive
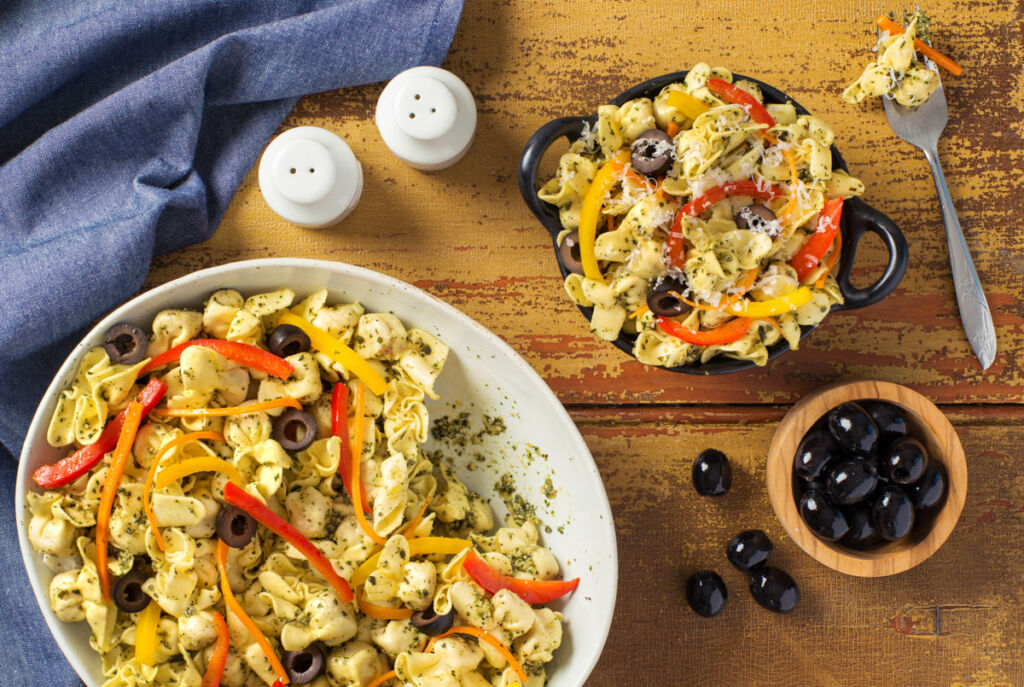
[(757, 218), (774, 589), (569, 252), (748, 550), (127, 592), (854, 430), (430, 623), (287, 339), (652, 152), (929, 491), (706, 593), (712, 474), (903, 461), (125, 344), (235, 527), (294, 429), (303, 666), (662, 299), (890, 419), (863, 532), (852, 481), (820, 484), (893, 512), (822, 516), (816, 451)]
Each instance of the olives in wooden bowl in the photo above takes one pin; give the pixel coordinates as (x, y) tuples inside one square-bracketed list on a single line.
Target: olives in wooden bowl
[(868, 478)]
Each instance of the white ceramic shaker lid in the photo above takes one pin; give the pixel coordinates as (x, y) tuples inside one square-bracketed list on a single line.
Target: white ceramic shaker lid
[(427, 117), (310, 177)]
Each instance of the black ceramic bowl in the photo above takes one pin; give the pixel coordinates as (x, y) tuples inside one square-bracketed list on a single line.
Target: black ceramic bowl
[(858, 218)]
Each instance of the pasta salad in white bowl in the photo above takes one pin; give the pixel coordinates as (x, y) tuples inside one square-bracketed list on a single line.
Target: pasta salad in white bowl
[(301, 472)]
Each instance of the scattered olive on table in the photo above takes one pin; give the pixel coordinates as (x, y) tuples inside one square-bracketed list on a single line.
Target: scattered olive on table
[(774, 589), (303, 666), (706, 593), (748, 550), (712, 474), (125, 344)]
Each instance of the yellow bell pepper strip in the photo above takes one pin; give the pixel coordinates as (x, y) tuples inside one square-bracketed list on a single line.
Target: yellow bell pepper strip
[(938, 58), (145, 634), (219, 659), (733, 330), (485, 636), (244, 354), (381, 679), (759, 310), (147, 505), (831, 261), (356, 480), (194, 465), (811, 253), (421, 546), (607, 176), (794, 179), (239, 498), (232, 605), (383, 612), (286, 402), (687, 104), (122, 452), (338, 352), (530, 591)]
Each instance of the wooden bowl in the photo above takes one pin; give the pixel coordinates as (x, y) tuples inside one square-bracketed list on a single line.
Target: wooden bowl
[(927, 423)]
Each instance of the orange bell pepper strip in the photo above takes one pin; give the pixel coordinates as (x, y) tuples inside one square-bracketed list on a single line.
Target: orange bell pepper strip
[(219, 659), (357, 453), (339, 428), (811, 253), (286, 402), (244, 354), (122, 452), (733, 330), (937, 57), (381, 679), (530, 591), (831, 261), (485, 636), (383, 612)]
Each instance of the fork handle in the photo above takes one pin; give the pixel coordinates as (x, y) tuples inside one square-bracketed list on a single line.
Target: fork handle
[(974, 311)]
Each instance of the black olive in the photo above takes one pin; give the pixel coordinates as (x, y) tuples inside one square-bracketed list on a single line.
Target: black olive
[(774, 589), (287, 339), (816, 451), (748, 550), (929, 491), (430, 623), (894, 513), (822, 515), (662, 301), (852, 481), (652, 152), (569, 252), (756, 218), (890, 419), (854, 430), (712, 474), (234, 526), (303, 666), (127, 592), (125, 344), (903, 461), (706, 593), (294, 429), (863, 531)]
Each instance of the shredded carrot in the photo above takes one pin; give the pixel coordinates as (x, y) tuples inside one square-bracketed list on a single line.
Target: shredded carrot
[(151, 477), (672, 129), (639, 312), (383, 612), (831, 261), (123, 450), (415, 522), (232, 605), (630, 174), (234, 410), (610, 223), (359, 409), (381, 679), (486, 637), (744, 285), (938, 58)]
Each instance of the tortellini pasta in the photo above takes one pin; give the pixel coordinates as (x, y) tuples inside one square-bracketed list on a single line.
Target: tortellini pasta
[(896, 73)]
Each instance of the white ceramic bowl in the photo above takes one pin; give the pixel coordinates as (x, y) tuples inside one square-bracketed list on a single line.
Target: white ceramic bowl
[(482, 375)]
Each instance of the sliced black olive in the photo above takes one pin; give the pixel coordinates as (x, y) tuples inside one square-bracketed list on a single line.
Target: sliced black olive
[(706, 593), (903, 461), (287, 339), (894, 513), (127, 592), (774, 589), (852, 481), (430, 623), (712, 474), (569, 252), (652, 152), (234, 526), (662, 299), (303, 666), (294, 429), (748, 550), (125, 344), (756, 218)]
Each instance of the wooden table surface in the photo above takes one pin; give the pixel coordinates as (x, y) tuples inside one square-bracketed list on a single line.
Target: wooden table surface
[(464, 235)]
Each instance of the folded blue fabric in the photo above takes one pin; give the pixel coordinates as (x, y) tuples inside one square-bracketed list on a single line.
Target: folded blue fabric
[(125, 128)]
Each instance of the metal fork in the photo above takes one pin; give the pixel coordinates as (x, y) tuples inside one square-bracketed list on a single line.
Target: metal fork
[(921, 127)]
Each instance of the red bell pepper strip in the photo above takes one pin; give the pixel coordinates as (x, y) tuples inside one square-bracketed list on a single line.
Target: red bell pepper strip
[(733, 330), (215, 668), (68, 469), (239, 498), (242, 353), (530, 591), (737, 96), (339, 428), (811, 253)]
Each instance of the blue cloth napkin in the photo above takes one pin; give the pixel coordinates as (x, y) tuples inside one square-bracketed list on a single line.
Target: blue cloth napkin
[(125, 128)]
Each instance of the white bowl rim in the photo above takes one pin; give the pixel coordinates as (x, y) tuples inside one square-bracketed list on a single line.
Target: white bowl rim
[(164, 292)]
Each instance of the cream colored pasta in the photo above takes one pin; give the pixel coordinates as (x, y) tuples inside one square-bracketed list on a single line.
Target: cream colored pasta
[(897, 73)]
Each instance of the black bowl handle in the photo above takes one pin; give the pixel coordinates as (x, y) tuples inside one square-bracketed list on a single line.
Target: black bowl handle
[(570, 127), (859, 218)]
